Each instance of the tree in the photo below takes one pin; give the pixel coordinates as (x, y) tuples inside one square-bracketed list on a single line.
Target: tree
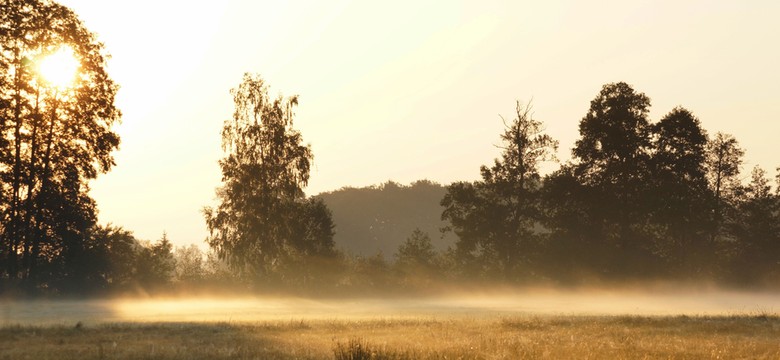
[(614, 144), (777, 181), (257, 225), (155, 264), (612, 161), (497, 216), (54, 138), (575, 248), (416, 261), (109, 260), (469, 209), (757, 231), (680, 205), (417, 251), (313, 229), (724, 159), (189, 264)]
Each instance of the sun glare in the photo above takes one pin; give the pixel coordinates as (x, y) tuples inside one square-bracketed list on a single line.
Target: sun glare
[(59, 69)]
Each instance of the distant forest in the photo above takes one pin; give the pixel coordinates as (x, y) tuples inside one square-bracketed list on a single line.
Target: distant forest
[(640, 200), (377, 219)]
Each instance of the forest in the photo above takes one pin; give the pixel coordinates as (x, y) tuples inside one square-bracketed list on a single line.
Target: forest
[(640, 199)]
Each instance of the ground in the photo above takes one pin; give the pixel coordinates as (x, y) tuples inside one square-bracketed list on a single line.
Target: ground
[(516, 336)]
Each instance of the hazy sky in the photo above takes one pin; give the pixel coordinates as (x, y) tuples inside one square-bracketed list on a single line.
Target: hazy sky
[(407, 90)]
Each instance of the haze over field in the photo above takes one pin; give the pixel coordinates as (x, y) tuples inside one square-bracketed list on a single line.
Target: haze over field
[(481, 304), (383, 84)]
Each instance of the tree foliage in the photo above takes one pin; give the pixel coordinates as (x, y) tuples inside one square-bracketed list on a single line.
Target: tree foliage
[(612, 162), (638, 200), (680, 203), (155, 264), (416, 251), (262, 217), (495, 218), (757, 227), (724, 161), (190, 264), (615, 138), (54, 139)]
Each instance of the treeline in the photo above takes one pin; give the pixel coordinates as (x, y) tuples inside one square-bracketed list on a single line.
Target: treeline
[(377, 219), (638, 201)]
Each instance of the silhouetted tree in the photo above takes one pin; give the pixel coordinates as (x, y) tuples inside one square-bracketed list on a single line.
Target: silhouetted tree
[(498, 215), (575, 249), (757, 231), (680, 194), (416, 251), (313, 229), (777, 180), (54, 139), (724, 159), (112, 257), (263, 220), (155, 264), (310, 250), (614, 144), (612, 159)]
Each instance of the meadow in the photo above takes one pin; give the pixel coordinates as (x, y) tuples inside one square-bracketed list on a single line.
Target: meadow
[(540, 324), (499, 337)]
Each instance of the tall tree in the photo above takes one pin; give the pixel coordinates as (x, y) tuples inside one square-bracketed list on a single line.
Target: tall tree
[(155, 264), (55, 137), (189, 265), (497, 216), (416, 261), (614, 144), (575, 248), (724, 160), (266, 166), (680, 205), (757, 231), (612, 161)]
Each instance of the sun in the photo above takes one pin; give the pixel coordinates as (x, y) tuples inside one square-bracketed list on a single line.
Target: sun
[(59, 68)]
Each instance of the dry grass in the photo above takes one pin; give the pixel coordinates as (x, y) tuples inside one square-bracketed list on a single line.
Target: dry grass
[(516, 337)]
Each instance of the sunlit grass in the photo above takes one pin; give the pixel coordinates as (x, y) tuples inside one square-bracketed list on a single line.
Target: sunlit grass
[(514, 337)]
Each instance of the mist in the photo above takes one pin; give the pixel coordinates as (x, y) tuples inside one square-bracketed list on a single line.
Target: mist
[(482, 304)]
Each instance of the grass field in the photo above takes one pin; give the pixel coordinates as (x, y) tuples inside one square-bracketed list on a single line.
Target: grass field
[(493, 337)]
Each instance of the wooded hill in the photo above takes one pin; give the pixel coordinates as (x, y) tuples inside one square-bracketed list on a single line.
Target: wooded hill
[(378, 219)]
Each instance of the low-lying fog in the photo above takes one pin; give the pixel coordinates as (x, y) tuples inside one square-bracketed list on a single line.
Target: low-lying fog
[(547, 302)]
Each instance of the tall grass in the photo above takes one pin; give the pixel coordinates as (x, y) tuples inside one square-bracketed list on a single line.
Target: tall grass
[(358, 349), (497, 337)]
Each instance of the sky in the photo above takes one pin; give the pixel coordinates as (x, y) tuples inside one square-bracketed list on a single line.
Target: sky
[(409, 90)]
